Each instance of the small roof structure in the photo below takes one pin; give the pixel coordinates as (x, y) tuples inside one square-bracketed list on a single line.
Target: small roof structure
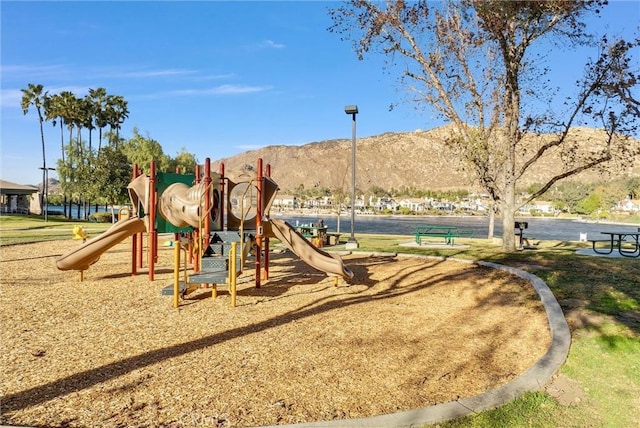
[(9, 188)]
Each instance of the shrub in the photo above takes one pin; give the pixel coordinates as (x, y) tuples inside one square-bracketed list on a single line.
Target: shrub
[(101, 217)]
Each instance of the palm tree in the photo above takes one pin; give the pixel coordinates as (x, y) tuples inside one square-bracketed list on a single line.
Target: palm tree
[(89, 113), (67, 109), (117, 113), (33, 96), (52, 112), (99, 99)]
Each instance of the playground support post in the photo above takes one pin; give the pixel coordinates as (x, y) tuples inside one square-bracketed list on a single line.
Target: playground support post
[(265, 271), (152, 233), (233, 272), (140, 249), (140, 238), (176, 272), (206, 233), (196, 235), (134, 238), (207, 201), (259, 223), (140, 254), (221, 170)]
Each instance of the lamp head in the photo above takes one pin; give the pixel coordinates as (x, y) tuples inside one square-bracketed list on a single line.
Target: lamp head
[(351, 109)]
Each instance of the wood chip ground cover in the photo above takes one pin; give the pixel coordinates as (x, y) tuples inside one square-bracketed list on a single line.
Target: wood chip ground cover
[(111, 351)]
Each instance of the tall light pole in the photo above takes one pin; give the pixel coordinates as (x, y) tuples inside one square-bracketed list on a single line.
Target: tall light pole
[(352, 110), (45, 190)]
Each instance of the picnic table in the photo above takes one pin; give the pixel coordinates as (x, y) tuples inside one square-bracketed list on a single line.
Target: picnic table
[(616, 241), (311, 230), (448, 233)]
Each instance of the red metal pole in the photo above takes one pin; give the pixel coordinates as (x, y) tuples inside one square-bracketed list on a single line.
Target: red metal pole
[(207, 202), (259, 223), (141, 236), (195, 258), (153, 233), (266, 239), (141, 249), (223, 203), (134, 238)]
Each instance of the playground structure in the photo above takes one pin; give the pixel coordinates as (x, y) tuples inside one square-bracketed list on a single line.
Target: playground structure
[(217, 220)]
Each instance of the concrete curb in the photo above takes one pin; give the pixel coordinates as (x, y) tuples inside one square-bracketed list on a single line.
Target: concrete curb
[(531, 380)]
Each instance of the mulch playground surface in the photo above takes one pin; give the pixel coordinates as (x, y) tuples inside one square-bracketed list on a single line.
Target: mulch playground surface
[(111, 351)]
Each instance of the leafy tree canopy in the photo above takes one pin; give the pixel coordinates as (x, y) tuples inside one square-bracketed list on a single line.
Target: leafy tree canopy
[(141, 151), (184, 162)]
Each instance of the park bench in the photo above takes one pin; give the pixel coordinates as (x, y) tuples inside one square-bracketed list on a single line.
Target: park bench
[(448, 233)]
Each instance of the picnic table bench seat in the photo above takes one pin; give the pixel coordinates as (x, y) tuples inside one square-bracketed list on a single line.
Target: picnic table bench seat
[(608, 249)]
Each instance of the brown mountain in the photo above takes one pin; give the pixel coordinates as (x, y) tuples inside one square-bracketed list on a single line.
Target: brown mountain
[(419, 159)]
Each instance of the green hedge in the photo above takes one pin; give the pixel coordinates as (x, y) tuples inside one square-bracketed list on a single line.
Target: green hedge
[(101, 217)]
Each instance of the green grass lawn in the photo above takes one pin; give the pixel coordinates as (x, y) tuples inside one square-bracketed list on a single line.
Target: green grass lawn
[(604, 358), (22, 229)]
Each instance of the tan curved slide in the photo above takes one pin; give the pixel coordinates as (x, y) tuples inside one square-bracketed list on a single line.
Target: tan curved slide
[(311, 255), (82, 257)]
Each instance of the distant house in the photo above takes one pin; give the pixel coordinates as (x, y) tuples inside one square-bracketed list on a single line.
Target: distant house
[(443, 205), (285, 201), (319, 202), (543, 207), (380, 204), (628, 205), (18, 198), (413, 204), (473, 205)]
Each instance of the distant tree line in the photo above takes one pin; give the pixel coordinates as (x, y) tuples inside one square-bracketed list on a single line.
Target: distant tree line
[(576, 197), (573, 197)]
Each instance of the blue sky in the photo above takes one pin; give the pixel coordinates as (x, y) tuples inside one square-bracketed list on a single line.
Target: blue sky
[(218, 78)]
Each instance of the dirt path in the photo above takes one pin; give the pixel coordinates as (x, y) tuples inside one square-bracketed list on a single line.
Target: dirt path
[(111, 351)]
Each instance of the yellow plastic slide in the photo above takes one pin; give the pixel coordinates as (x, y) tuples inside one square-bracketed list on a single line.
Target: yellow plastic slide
[(311, 255), (88, 253)]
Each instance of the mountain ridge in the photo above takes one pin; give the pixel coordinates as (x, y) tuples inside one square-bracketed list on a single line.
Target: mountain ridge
[(393, 160)]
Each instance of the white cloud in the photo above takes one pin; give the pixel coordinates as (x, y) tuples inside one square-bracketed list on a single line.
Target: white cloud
[(32, 72), (271, 44), (236, 89), (171, 72), (217, 90), (217, 76), (10, 98)]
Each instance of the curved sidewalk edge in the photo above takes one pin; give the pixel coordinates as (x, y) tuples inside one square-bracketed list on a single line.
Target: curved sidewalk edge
[(531, 380)]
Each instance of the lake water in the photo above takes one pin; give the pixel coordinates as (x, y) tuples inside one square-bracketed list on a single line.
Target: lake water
[(58, 210), (539, 228)]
